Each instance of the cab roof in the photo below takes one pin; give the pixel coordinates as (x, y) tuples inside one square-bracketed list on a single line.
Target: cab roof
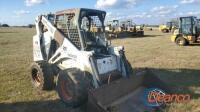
[(75, 10)]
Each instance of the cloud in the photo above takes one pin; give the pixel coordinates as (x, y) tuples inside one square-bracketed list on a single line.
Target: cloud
[(189, 1), (193, 13), (164, 10), (114, 4), (141, 15), (33, 2), (122, 16), (159, 13), (20, 13), (114, 15), (105, 3)]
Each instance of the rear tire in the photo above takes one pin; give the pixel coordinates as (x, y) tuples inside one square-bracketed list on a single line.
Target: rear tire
[(72, 87), (165, 31), (42, 76), (181, 41)]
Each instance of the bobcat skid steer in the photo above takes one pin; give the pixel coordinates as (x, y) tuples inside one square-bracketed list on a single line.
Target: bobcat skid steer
[(72, 46)]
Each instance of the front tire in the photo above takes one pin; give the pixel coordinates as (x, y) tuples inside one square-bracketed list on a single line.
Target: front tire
[(181, 41), (42, 76), (72, 87)]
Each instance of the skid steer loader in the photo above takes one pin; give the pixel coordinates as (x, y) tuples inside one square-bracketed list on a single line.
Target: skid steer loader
[(71, 45)]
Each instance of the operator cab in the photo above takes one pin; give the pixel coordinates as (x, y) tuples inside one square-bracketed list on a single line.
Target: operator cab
[(115, 23), (51, 17), (84, 28), (91, 24), (169, 25), (188, 26)]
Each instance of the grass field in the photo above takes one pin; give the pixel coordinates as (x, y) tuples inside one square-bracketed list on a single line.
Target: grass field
[(178, 66)]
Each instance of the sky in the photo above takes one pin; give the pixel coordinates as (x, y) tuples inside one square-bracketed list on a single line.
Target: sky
[(23, 12)]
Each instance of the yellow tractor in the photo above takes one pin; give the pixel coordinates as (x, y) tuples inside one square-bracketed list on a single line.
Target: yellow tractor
[(127, 28), (188, 31), (169, 27)]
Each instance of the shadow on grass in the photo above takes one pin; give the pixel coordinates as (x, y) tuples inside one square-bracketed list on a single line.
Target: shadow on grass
[(37, 106), (194, 44), (151, 35), (179, 81), (8, 32), (145, 36)]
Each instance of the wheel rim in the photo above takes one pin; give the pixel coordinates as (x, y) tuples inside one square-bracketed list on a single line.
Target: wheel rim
[(36, 77), (180, 42), (64, 91)]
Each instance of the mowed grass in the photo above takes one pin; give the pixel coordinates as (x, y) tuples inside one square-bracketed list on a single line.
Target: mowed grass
[(178, 66), (16, 89)]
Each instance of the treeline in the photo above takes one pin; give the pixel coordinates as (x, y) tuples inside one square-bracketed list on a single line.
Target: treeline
[(4, 25), (28, 26), (24, 26)]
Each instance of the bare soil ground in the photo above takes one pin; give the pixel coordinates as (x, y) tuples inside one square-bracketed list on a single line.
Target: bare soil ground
[(178, 66)]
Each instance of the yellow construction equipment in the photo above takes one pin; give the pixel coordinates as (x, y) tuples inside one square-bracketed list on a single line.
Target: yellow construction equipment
[(188, 31), (125, 28), (169, 27)]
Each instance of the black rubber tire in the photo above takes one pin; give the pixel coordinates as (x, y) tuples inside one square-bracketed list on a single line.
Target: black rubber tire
[(72, 87), (181, 41), (165, 31), (42, 76)]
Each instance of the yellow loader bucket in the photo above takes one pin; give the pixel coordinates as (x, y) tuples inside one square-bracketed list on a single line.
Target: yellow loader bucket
[(124, 95)]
